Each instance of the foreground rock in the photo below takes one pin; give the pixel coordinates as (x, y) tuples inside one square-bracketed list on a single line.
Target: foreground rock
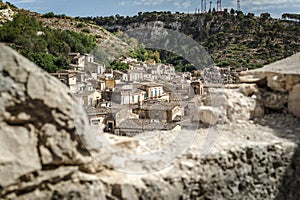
[(231, 104), (209, 115), (45, 155), (37, 128), (281, 79), (294, 100)]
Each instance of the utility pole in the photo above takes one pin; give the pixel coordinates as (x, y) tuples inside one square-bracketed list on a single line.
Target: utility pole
[(205, 6), (210, 6)]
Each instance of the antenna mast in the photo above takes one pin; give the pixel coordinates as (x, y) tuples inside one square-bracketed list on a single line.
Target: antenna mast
[(219, 5), (238, 5), (203, 6)]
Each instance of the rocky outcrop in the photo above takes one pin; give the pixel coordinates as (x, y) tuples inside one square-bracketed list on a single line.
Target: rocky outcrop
[(248, 89), (45, 153), (273, 100), (37, 129), (277, 83), (232, 104), (277, 92), (291, 81), (209, 115), (19, 154), (294, 101)]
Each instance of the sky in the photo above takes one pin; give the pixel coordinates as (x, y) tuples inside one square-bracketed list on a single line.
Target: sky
[(131, 7)]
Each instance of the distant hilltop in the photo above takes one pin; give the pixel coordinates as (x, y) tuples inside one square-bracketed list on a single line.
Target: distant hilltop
[(234, 39)]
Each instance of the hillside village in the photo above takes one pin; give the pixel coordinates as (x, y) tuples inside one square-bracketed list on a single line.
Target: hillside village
[(148, 96), (74, 125), (46, 157)]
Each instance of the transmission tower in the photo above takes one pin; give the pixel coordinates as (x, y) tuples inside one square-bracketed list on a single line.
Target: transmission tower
[(238, 5), (203, 6), (210, 6), (219, 5)]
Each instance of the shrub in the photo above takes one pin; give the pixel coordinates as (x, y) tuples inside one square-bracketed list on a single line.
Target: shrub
[(80, 25), (86, 30)]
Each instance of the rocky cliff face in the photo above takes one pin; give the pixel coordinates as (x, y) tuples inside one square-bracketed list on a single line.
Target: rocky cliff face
[(46, 155)]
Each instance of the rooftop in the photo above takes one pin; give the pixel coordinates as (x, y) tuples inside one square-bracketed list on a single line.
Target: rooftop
[(94, 111), (145, 124), (84, 93)]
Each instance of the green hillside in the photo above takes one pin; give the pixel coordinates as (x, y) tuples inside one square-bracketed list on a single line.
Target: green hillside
[(232, 38), (46, 47)]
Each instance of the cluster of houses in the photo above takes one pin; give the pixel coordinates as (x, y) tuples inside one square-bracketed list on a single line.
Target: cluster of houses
[(147, 96), (218, 75)]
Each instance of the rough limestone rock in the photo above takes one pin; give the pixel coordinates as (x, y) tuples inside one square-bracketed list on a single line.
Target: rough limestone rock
[(292, 80), (248, 89), (216, 98), (37, 128), (209, 115), (19, 154), (289, 65), (294, 101), (277, 82), (245, 77), (259, 110), (232, 104), (239, 107), (274, 100), (281, 77)]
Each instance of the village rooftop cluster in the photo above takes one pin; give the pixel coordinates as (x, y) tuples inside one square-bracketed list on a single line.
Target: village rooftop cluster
[(148, 96)]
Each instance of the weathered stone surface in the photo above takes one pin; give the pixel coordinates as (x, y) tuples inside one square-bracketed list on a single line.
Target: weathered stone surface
[(248, 89), (246, 77), (239, 107), (215, 98), (289, 65), (18, 147), (294, 101), (282, 76), (75, 188), (274, 100), (259, 110), (277, 82), (292, 80), (36, 120), (235, 104), (124, 191), (209, 115)]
